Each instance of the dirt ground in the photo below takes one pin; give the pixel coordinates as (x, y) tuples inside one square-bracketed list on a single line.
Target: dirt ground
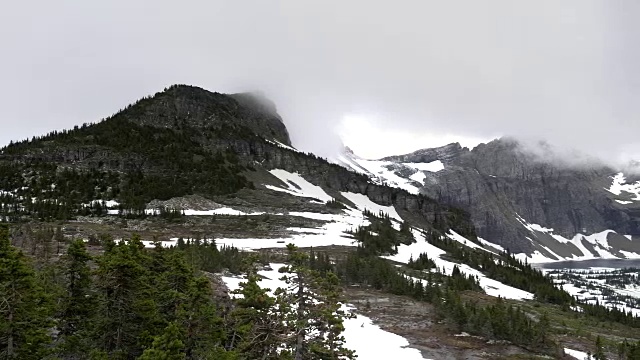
[(417, 322)]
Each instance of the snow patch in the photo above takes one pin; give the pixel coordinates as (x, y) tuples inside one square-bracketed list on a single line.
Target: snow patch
[(333, 232), (298, 186), (362, 202), (190, 212), (463, 240), (419, 177), (378, 169), (490, 286), (619, 185), (624, 202), (599, 241), (433, 166), (368, 340), (279, 144), (580, 355), (490, 244), (371, 342)]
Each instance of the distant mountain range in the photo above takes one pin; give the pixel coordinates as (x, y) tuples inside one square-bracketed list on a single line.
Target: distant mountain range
[(516, 200)]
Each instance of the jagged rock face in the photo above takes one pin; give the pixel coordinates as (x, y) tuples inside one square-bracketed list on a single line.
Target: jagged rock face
[(176, 108), (203, 123), (183, 105), (496, 181), (443, 153), (318, 171)]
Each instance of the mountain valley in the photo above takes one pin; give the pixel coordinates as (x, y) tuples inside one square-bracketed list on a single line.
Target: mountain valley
[(432, 249)]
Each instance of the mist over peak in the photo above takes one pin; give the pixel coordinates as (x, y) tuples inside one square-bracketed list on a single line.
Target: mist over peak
[(434, 73)]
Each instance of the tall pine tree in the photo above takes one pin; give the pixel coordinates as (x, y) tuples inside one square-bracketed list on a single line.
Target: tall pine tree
[(24, 308)]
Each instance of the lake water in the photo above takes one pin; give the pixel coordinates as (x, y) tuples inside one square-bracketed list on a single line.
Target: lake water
[(585, 264)]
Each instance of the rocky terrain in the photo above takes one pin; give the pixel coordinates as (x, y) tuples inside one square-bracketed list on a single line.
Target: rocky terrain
[(503, 186), (189, 165)]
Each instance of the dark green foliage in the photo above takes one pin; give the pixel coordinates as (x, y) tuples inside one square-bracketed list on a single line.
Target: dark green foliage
[(24, 308), (421, 263), (599, 353), (626, 350), (256, 325), (316, 323), (380, 237), (168, 346), (128, 314), (499, 321), (142, 303), (504, 268), (135, 164), (335, 204), (205, 255), (78, 302)]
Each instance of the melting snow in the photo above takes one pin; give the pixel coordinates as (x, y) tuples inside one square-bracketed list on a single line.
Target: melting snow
[(580, 355), (331, 233), (108, 203), (624, 202), (619, 186), (599, 241), (278, 143), (490, 244), (298, 186), (463, 240), (189, 212), (433, 166), (490, 286), (419, 177), (592, 292), (368, 340), (371, 342), (363, 202), (379, 169)]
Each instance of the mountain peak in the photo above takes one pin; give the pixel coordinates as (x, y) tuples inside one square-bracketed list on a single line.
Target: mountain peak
[(187, 105), (443, 153)]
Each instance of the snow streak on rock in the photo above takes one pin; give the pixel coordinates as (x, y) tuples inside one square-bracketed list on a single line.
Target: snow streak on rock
[(619, 185), (298, 186)]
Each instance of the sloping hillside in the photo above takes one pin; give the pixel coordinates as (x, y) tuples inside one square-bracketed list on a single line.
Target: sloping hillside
[(520, 202)]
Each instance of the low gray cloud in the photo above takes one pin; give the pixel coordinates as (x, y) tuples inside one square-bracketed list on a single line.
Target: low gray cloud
[(563, 71)]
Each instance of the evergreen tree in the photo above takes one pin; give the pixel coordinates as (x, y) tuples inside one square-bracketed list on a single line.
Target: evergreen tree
[(599, 353), (312, 317), (127, 313), (78, 301), (168, 346), (257, 328), (24, 308)]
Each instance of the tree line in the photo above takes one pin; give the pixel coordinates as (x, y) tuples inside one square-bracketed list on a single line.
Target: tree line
[(137, 303)]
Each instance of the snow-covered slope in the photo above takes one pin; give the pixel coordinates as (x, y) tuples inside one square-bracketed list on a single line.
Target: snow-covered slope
[(409, 176), (550, 246), (597, 285), (298, 186), (335, 232), (629, 193), (490, 286)]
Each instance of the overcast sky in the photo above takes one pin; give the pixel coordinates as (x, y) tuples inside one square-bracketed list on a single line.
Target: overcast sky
[(389, 76)]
